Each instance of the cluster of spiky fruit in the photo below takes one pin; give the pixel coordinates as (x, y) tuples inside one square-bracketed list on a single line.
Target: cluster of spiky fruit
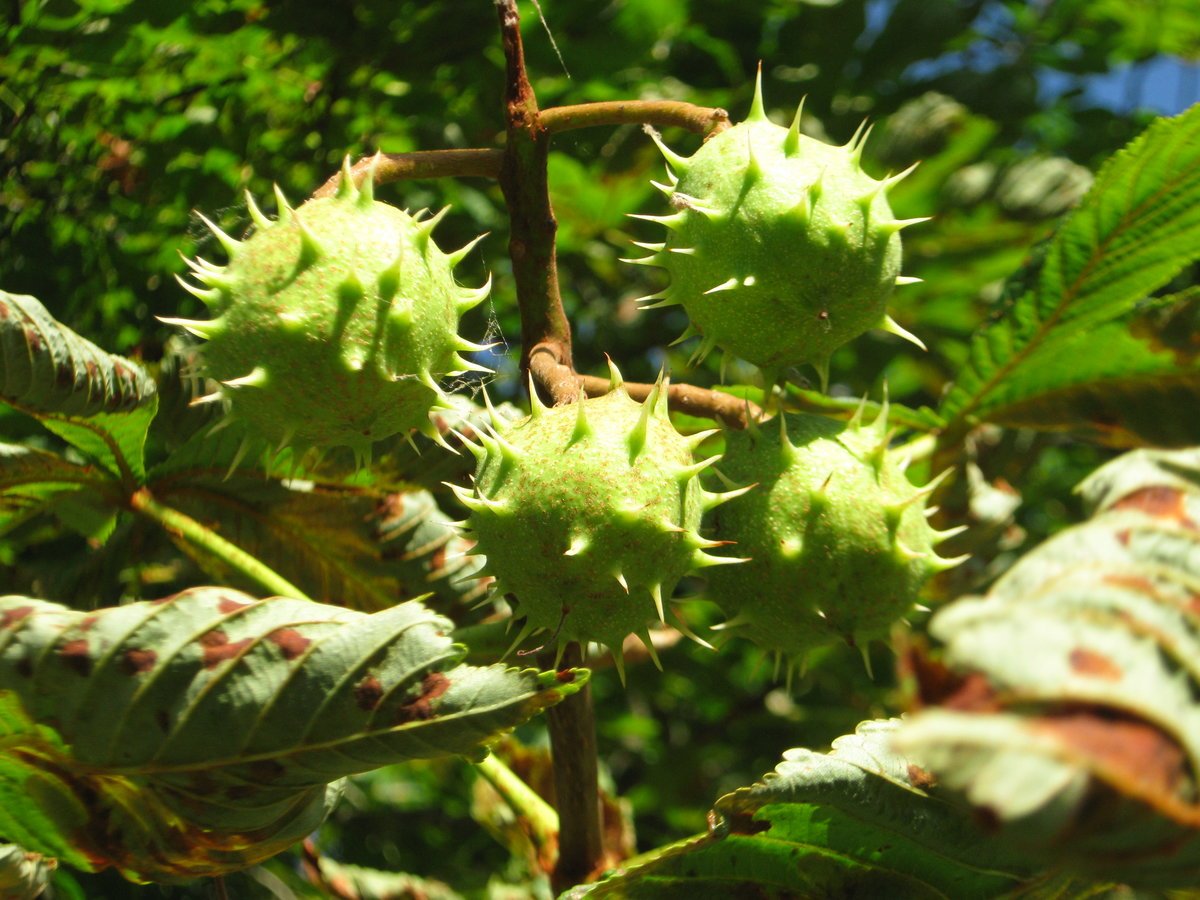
[(779, 246), (589, 515), (837, 536), (334, 322)]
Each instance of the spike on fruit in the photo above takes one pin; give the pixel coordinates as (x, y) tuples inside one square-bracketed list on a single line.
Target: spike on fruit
[(257, 216), (283, 209), (779, 247), (606, 473), (346, 189), (352, 302), (836, 535)]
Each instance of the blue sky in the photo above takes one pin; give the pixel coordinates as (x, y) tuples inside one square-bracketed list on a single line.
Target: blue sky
[(1163, 84)]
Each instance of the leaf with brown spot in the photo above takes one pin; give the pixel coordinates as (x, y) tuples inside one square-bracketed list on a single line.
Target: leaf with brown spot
[(853, 822), (1085, 748), (265, 701)]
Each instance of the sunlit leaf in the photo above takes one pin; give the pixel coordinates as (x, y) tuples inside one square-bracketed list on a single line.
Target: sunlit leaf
[(1082, 748), (101, 403), (23, 875), (1069, 320), (857, 821)]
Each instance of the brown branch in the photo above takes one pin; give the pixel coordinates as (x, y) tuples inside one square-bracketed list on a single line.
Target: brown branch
[(562, 383), (572, 725), (736, 412), (421, 164), (663, 113), (524, 183)]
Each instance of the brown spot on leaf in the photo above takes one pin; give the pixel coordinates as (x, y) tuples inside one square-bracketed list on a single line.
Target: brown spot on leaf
[(137, 661), (1088, 662), (1160, 501), (11, 616), (433, 686), (564, 676), (218, 648), (231, 605), (368, 692), (975, 694), (33, 339), (290, 642), (1134, 755), (74, 655), (1124, 536), (437, 561), (265, 770), (1137, 583), (87, 623), (920, 778)]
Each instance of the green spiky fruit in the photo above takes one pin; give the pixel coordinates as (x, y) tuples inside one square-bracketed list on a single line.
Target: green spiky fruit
[(836, 534), (780, 247), (588, 515), (334, 322)]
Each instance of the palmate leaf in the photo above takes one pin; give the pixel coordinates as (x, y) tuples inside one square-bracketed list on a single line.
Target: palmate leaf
[(360, 546), (33, 482), (101, 403), (857, 821), (427, 550), (200, 733), (1122, 383), (1082, 749), (1070, 330)]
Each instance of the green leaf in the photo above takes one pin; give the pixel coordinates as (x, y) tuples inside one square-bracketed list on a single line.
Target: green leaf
[(198, 734), (319, 534), (1122, 383), (1070, 328), (367, 547), (33, 482), (427, 549), (48, 368), (852, 822), (1082, 749), (100, 403)]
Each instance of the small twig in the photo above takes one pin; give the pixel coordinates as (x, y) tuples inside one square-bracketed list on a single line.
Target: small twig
[(562, 383), (421, 164), (538, 817), (662, 113), (736, 412)]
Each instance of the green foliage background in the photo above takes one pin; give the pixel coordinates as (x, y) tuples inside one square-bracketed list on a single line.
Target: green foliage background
[(118, 119)]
